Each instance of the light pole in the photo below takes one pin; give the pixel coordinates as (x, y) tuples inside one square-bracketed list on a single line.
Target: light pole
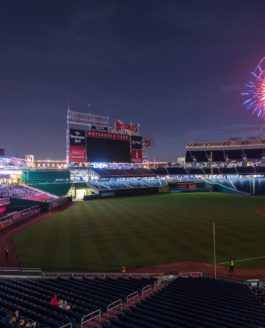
[(214, 251)]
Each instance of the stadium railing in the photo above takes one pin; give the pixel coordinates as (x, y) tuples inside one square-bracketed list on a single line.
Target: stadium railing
[(68, 325), (114, 306), (20, 272), (95, 315), (132, 297), (146, 289), (103, 275)]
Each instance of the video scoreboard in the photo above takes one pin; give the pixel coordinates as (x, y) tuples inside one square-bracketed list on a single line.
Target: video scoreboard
[(101, 146)]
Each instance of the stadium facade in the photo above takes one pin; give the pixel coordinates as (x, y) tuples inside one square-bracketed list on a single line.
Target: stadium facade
[(105, 159)]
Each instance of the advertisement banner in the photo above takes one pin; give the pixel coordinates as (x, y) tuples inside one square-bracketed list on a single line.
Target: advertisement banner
[(147, 142), (136, 156), (107, 135), (136, 142), (77, 137), (128, 128), (2, 210), (77, 154)]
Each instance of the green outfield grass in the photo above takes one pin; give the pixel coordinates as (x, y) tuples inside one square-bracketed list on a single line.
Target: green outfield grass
[(141, 231)]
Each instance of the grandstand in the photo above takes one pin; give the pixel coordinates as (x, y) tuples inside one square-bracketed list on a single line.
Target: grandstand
[(122, 303), (195, 302), (132, 181), (25, 192), (233, 150)]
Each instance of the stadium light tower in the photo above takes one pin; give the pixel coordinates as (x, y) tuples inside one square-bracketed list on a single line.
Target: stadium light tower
[(214, 250)]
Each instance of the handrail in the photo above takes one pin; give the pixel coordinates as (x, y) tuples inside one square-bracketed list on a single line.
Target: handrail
[(90, 317), (106, 274), (158, 283), (103, 275), (114, 305), (132, 297), (190, 274), (8, 269), (67, 325), (146, 289)]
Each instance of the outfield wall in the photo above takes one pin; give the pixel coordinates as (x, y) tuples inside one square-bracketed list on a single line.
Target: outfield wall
[(17, 204), (19, 216), (128, 192)]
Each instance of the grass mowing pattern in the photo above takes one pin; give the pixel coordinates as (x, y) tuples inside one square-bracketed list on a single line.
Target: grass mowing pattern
[(141, 231)]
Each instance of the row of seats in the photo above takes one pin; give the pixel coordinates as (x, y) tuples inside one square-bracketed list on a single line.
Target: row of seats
[(25, 192), (32, 298), (236, 170), (195, 303), (128, 183), (138, 172)]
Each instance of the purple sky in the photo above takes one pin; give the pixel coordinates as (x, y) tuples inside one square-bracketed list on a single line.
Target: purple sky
[(176, 67)]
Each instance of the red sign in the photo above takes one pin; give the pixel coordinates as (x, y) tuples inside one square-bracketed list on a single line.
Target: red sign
[(2, 210), (136, 155), (77, 154), (107, 135), (129, 128), (192, 186)]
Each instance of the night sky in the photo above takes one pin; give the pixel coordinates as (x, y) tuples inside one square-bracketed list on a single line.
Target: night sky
[(176, 67)]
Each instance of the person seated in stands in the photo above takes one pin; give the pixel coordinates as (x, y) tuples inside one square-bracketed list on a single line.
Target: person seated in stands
[(21, 323), (66, 306), (123, 269), (54, 301), (61, 303), (12, 322)]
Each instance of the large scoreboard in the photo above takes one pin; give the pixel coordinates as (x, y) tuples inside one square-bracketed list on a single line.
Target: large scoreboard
[(108, 147), (100, 146)]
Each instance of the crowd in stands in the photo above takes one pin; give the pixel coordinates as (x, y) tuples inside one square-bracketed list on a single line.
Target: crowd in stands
[(24, 192)]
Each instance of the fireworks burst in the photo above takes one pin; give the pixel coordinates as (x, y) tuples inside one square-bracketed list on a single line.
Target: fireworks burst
[(255, 91)]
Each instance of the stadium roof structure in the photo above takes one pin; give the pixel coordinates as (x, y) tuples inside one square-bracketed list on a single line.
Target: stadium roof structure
[(229, 144)]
